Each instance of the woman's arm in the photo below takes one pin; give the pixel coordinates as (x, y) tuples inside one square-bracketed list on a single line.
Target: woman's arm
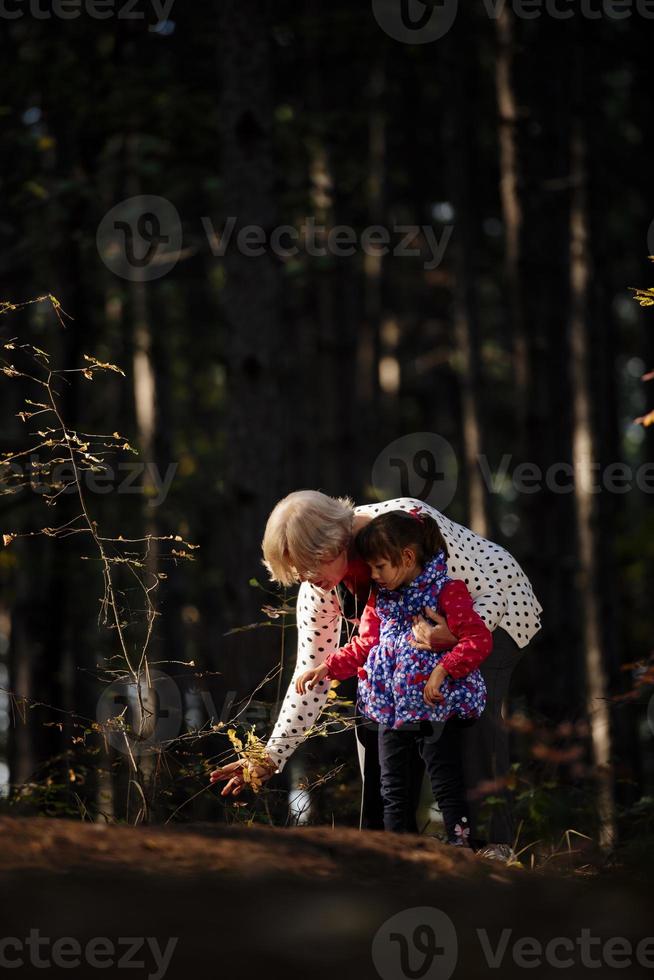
[(486, 595), (319, 630), (475, 641)]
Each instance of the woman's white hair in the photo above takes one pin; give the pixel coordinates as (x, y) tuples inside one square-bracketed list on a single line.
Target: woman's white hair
[(305, 528)]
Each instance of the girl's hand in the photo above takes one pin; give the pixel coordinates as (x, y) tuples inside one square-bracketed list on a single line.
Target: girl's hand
[(309, 679), (432, 693), (233, 772), (427, 636)]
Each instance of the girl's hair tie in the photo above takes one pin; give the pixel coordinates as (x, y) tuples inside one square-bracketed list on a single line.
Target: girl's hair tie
[(418, 514)]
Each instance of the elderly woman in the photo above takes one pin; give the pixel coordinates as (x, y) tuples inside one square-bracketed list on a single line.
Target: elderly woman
[(311, 538)]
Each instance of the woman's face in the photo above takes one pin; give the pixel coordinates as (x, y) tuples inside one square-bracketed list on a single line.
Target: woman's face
[(327, 574)]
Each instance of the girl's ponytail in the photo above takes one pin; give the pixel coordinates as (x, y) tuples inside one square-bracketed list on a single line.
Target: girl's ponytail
[(432, 539)]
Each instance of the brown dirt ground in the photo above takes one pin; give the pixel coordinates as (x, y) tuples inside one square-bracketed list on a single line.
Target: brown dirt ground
[(303, 903)]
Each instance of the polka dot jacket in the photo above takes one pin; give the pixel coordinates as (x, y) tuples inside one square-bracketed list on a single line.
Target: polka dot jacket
[(501, 593), (392, 673)]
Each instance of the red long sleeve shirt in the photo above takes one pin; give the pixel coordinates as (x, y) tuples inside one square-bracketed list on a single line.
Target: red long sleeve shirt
[(474, 643)]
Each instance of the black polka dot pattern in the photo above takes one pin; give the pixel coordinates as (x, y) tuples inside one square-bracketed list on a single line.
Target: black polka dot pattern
[(501, 592), (319, 630)]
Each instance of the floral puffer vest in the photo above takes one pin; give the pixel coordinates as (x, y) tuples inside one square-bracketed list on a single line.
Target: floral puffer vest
[(392, 683)]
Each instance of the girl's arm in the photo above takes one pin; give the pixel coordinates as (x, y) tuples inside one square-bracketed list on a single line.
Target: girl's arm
[(475, 640), (344, 663)]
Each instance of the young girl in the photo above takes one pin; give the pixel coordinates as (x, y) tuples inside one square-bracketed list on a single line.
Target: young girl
[(412, 693)]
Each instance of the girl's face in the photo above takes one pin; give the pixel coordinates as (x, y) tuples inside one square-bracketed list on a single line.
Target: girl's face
[(327, 574), (390, 576)]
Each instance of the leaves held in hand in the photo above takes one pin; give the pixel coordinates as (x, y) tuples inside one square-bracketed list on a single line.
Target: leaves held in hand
[(236, 742), (253, 756)]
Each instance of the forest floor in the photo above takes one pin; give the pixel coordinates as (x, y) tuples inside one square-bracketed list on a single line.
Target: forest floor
[(314, 902)]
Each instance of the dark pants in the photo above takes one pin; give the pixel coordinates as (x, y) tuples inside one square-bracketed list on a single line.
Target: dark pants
[(439, 746), (485, 747), (485, 750)]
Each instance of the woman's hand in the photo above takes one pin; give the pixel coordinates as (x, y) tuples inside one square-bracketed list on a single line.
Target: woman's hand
[(309, 679), (432, 693), (427, 636), (233, 772)]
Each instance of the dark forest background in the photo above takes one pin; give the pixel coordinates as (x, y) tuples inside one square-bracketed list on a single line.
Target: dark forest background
[(532, 141)]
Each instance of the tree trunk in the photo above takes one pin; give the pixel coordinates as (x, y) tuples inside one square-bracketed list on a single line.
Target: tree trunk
[(255, 445), (461, 151), (369, 354), (584, 453), (512, 210)]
